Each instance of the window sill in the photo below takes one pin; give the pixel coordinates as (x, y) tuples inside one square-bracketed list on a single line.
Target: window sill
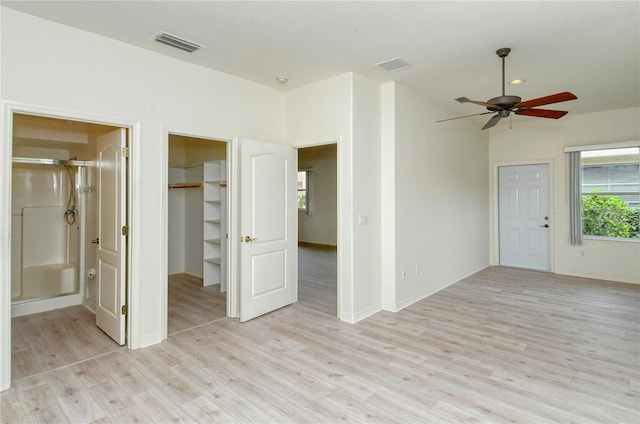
[(601, 238)]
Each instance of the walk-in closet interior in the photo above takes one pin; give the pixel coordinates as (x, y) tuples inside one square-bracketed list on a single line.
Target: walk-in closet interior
[(197, 218)]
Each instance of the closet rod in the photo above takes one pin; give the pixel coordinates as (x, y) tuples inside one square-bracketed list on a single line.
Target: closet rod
[(174, 186), (43, 161)]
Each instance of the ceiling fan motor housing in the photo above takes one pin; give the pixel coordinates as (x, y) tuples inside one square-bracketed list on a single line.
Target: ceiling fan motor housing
[(503, 102)]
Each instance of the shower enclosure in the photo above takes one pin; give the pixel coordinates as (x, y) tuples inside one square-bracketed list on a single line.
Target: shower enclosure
[(45, 228)]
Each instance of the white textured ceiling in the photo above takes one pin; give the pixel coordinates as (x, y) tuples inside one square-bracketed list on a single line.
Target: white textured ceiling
[(589, 48)]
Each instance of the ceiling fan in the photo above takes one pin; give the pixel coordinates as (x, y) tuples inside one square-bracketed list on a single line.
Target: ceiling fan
[(503, 105)]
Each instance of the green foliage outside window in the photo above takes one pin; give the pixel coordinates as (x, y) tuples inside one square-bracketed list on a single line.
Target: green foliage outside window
[(302, 200), (609, 216)]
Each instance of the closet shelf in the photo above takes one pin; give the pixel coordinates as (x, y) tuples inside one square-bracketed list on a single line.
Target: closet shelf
[(213, 240), (212, 201), (212, 221), (213, 260), (193, 165)]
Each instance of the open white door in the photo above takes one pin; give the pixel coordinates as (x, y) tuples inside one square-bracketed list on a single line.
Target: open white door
[(268, 219), (112, 205), (524, 219)]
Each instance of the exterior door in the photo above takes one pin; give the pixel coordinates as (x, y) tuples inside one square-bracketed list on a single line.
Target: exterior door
[(268, 228), (111, 170), (524, 218)]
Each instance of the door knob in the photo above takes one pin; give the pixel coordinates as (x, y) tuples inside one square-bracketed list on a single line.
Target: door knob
[(247, 239), (545, 226)]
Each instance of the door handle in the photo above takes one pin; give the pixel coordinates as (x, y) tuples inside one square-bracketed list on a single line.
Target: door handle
[(545, 226), (96, 241), (247, 239)]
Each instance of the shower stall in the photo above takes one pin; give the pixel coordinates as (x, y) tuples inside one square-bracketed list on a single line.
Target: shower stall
[(46, 228)]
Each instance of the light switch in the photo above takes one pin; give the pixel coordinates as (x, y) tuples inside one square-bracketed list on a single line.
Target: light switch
[(363, 219)]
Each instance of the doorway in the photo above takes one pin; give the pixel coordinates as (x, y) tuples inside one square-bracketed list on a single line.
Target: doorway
[(523, 216), (196, 231), (68, 204), (318, 228)]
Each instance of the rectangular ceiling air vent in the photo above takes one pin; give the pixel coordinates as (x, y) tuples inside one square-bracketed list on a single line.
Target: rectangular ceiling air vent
[(394, 65), (177, 42)]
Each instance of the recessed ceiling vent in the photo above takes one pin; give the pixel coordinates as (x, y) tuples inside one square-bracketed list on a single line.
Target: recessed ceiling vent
[(394, 65), (177, 42)]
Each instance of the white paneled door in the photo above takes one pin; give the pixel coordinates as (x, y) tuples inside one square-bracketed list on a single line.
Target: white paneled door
[(524, 218), (268, 228), (111, 172)]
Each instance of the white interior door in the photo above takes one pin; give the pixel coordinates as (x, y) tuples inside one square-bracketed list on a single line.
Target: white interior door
[(268, 228), (111, 172), (524, 216)]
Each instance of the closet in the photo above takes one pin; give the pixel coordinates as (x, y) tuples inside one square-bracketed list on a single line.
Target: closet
[(197, 206)]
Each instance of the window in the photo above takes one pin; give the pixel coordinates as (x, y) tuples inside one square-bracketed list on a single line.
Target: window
[(303, 191), (610, 192)]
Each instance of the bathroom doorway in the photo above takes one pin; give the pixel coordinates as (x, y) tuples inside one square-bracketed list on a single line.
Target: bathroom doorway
[(196, 231), (68, 255)]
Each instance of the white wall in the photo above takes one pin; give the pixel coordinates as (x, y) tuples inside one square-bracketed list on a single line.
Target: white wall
[(184, 237), (77, 72), (532, 140), (325, 112), (321, 225), (388, 195), (175, 228), (366, 170), (320, 113), (435, 199)]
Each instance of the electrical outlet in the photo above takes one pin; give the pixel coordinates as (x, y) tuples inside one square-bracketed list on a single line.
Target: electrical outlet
[(417, 270)]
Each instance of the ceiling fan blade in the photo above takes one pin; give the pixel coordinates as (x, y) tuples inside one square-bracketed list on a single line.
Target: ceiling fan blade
[(542, 113), (475, 102), (466, 116), (492, 122), (547, 100)]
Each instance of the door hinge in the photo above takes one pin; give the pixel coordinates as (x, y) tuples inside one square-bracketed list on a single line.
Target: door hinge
[(125, 152), (125, 310), (125, 230)]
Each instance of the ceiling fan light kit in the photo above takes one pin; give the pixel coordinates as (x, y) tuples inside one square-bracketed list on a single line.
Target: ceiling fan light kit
[(503, 105)]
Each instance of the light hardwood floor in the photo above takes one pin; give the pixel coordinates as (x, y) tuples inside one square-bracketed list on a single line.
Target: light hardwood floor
[(317, 278), (48, 340), (45, 341), (503, 345), (191, 305)]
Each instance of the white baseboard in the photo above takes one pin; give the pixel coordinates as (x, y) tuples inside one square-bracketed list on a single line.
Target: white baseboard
[(398, 306), (360, 315)]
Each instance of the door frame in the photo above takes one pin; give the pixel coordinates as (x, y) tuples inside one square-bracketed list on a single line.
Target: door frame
[(232, 205), (553, 213), (339, 212), (7, 111)]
